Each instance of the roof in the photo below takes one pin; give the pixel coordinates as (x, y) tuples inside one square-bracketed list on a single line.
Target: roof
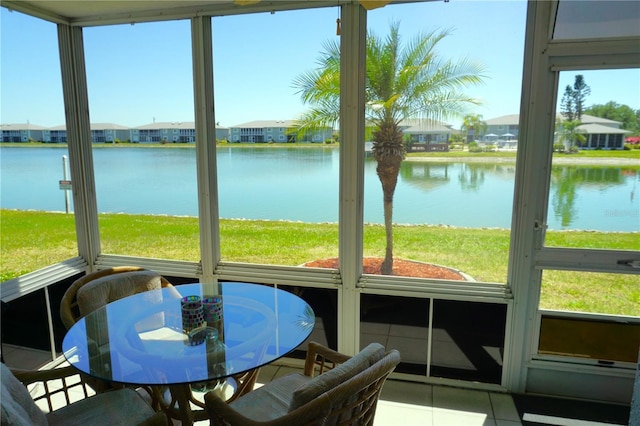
[(425, 126), (261, 124), (511, 119), (514, 120), (168, 125), (21, 126), (103, 126), (599, 128), (94, 126), (590, 119)]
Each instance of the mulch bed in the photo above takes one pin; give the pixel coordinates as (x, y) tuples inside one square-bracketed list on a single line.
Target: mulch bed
[(401, 267)]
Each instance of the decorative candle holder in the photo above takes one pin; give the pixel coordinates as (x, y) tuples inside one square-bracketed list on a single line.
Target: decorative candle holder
[(192, 318), (213, 314)]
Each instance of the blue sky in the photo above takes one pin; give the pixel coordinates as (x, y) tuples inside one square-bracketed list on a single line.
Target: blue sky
[(141, 73)]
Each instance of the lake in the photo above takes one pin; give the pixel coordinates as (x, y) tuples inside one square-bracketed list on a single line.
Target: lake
[(302, 185)]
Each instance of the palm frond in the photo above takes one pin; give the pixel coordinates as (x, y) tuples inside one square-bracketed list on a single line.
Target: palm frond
[(403, 81)]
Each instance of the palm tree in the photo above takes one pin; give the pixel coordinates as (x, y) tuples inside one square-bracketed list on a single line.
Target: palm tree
[(403, 82), (473, 126), (571, 135)]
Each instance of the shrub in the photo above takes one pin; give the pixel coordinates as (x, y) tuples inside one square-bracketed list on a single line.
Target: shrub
[(474, 147)]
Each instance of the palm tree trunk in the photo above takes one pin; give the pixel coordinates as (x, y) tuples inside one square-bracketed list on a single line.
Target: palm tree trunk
[(388, 151), (388, 169), (387, 264)]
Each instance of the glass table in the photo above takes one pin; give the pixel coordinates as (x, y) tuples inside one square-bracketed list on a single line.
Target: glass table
[(140, 340)]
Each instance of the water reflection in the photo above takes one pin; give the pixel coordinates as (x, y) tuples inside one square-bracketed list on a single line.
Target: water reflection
[(424, 175), (581, 197), (301, 184), (571, 184)]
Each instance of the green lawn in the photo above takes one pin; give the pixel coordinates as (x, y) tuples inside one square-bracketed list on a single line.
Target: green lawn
[(598, 153), (31, 240)]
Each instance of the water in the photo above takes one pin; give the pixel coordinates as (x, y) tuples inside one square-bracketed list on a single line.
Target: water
[(302, 185)]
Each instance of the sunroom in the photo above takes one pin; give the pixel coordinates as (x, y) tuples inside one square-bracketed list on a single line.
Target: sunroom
[(504, 330)]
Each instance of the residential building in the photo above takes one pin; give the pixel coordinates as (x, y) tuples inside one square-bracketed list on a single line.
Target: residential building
[(175, 132), (57, 134), (22, 133), (427, 131), (600, 133), (109, 133), (505, 127), (262, 131), (165, 132), (427, 135)]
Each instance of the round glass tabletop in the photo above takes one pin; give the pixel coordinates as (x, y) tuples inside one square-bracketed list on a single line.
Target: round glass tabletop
[(155, 337)]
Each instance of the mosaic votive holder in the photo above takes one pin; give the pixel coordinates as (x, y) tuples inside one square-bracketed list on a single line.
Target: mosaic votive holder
[(192, 318), (213, 314), (212, 307)]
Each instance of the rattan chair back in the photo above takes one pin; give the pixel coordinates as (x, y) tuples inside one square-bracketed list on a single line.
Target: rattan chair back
[(69, 310)]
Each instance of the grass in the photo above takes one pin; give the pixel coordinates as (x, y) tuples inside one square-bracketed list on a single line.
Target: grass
[(32, 239), (584, 154)]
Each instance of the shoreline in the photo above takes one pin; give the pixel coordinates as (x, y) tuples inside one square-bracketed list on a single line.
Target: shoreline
[(365, 224), (593, 161), (556, 160)]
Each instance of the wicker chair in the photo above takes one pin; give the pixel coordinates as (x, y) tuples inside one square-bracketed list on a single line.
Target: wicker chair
[(70, 311), (59, 397), (107, 285), (345, 391)]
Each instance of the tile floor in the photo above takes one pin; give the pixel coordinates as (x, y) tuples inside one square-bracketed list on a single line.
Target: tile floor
[(416, 404), (403, 403), (426, 405)]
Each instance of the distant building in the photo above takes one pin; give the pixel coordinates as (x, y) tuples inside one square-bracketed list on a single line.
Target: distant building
[(506, 127), (22, 133), (174, 132), (182, 132), (427, 131), (57, 134), (109, 132), (600, 133), (263, 131)]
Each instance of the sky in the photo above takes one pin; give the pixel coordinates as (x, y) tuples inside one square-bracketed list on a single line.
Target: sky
[(141, 73)]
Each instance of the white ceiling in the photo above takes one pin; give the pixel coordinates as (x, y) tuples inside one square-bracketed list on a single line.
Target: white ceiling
[(105, 12)]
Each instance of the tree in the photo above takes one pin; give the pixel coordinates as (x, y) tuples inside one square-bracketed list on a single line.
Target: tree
[(580, 91), (572, 108), (613, 111), (474, 126), (573, 100), (567, 105), (571, 135), (403, 82)]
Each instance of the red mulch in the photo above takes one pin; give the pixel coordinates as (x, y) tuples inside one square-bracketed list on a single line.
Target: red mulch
[(402, 268)]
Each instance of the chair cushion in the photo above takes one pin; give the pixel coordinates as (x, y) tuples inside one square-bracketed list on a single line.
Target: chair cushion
[(270, 401), (17, 406), (118, 407), (98, 293), (330, 379)]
